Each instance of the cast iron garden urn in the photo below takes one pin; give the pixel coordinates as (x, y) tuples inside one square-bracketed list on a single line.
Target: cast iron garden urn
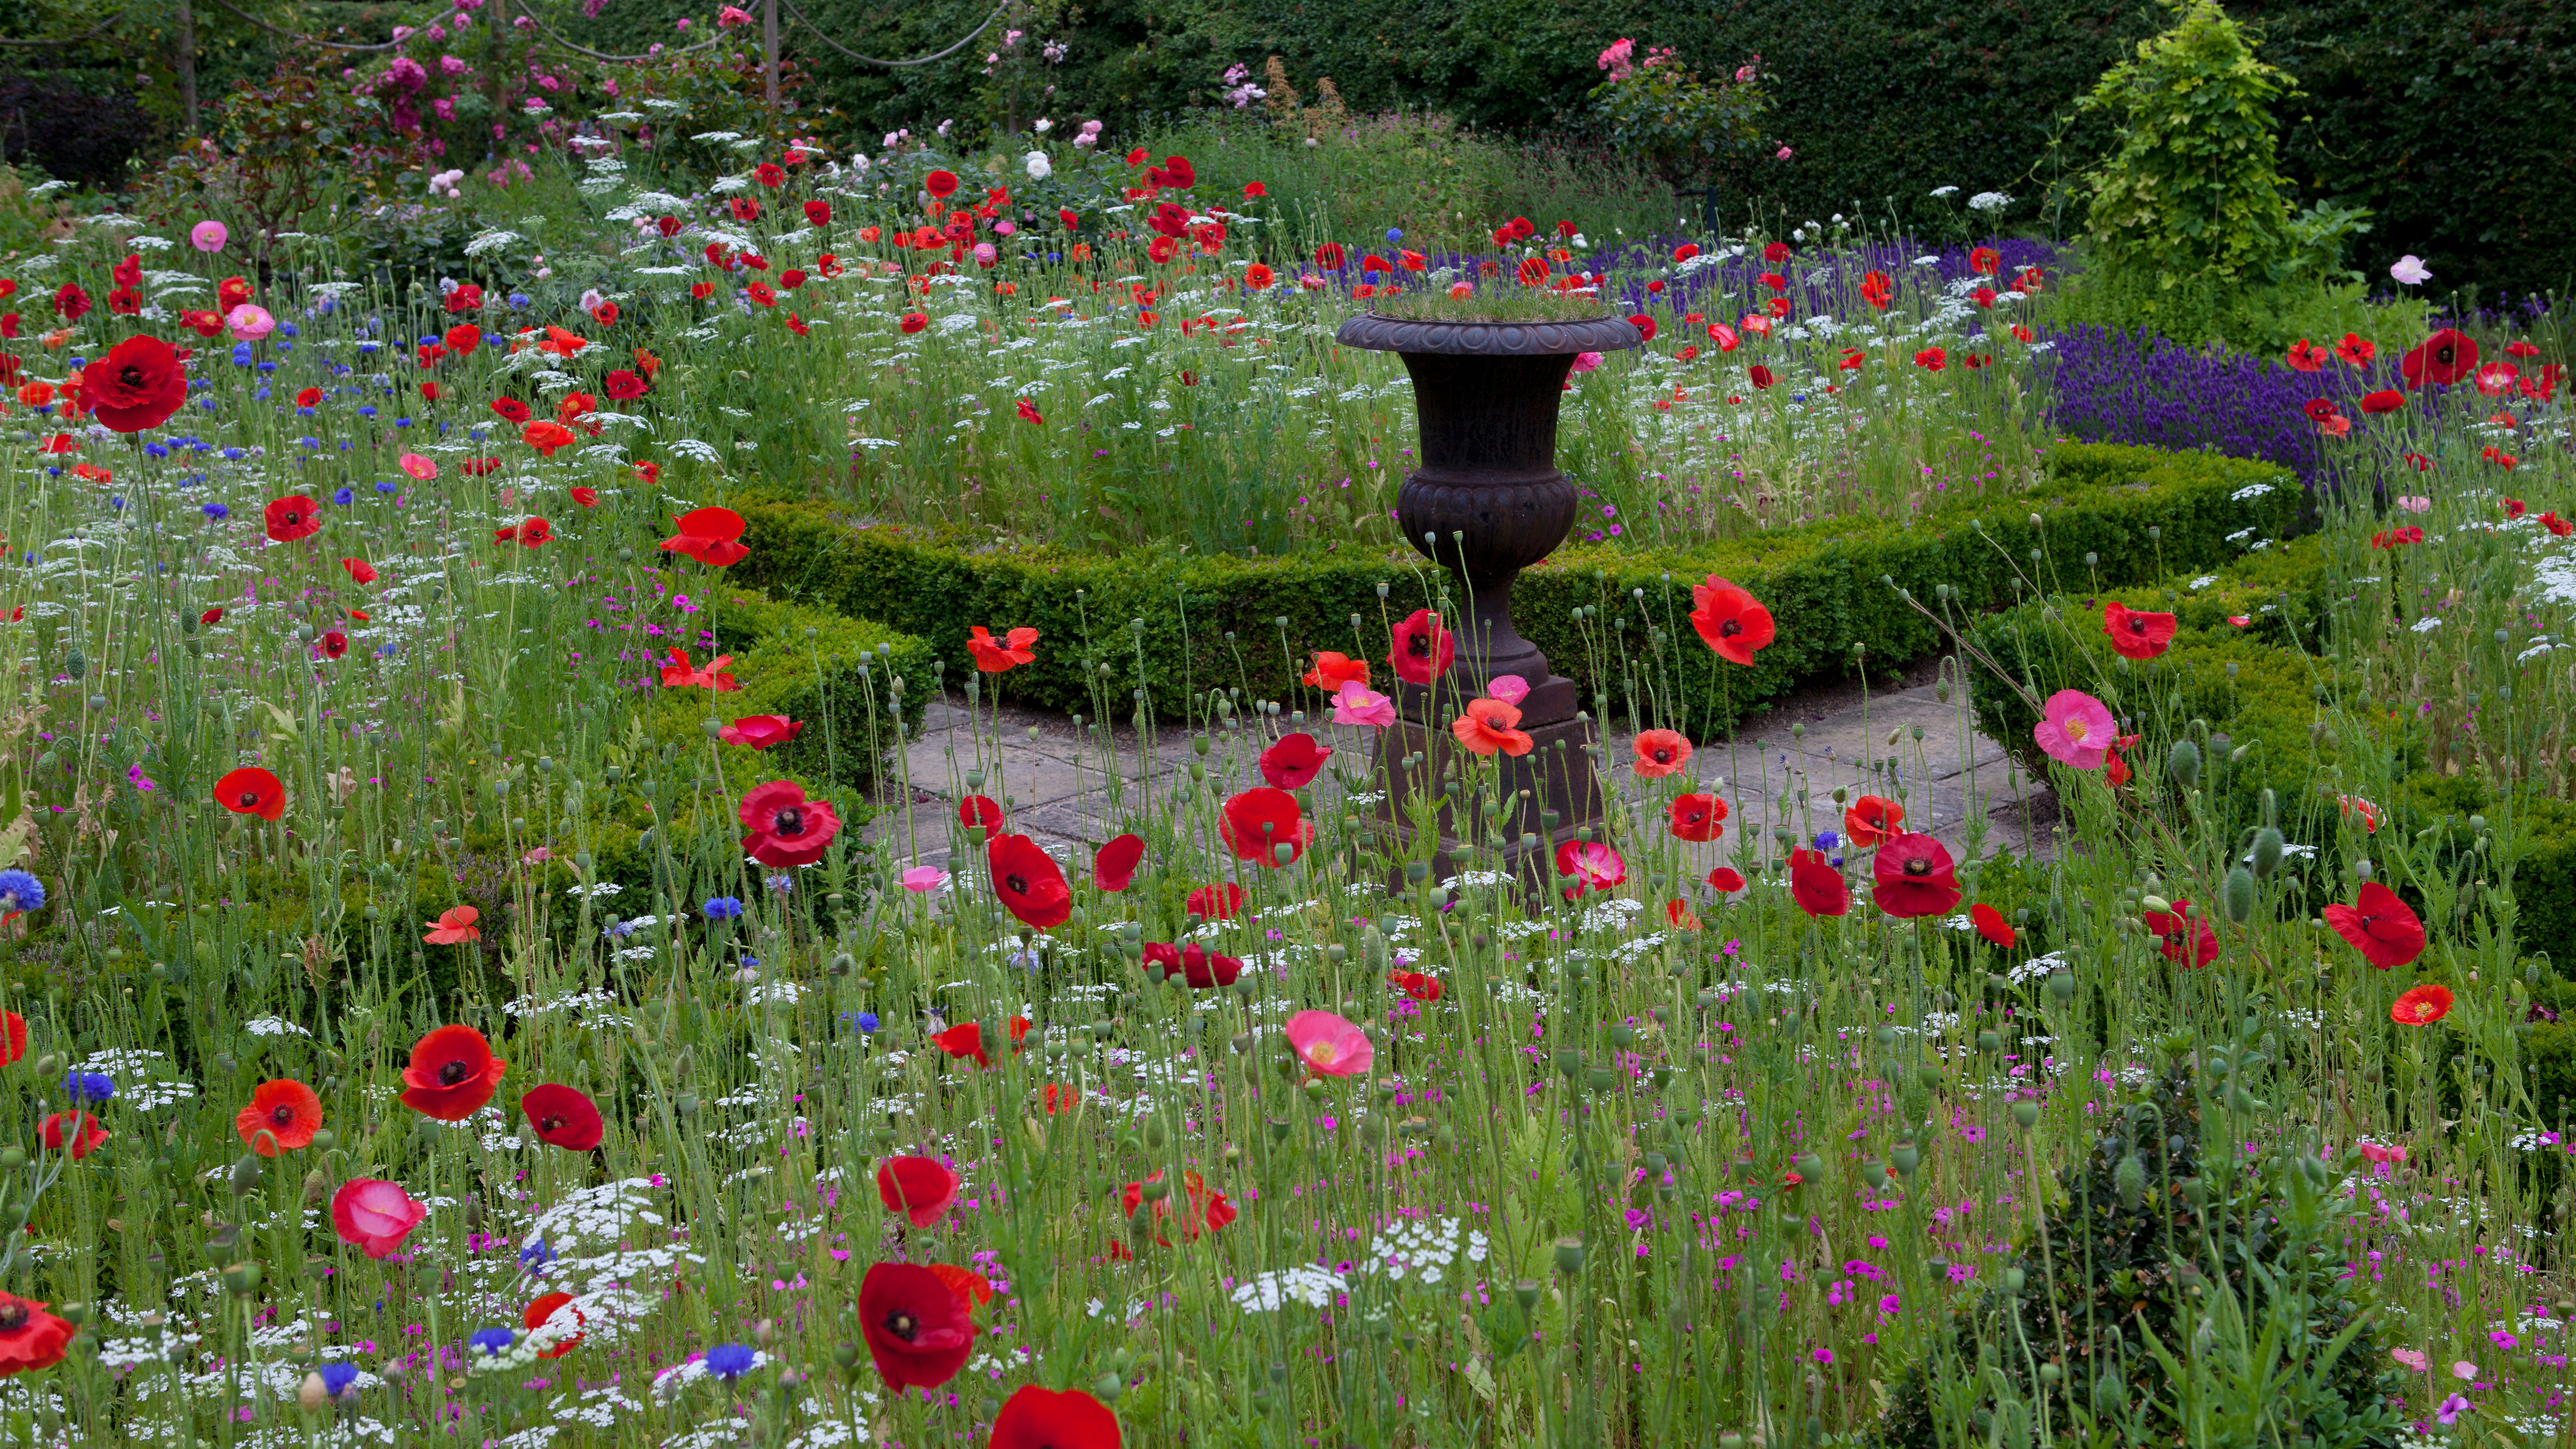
[(1487, 502)]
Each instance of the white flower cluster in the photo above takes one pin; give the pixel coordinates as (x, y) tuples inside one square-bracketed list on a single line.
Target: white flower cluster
[(1422, 1249), (1313, 1286)]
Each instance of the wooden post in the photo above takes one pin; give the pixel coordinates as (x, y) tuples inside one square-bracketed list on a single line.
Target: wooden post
[(187, 65), (769, 43)]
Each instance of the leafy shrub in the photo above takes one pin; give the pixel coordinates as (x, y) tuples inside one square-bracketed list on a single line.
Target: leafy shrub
[(1694, 128), (2163, 1271)]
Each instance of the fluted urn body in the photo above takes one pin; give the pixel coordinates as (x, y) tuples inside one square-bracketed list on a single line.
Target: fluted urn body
[(1487, 502)]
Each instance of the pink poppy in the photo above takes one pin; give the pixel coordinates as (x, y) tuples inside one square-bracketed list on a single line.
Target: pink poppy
[(416, 466), (1593, 865), (2075, 729), (1328, 1045), (374, 1215), (1357, 704), (1511, 689)]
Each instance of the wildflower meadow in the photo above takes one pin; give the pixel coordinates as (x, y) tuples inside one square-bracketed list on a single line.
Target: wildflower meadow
[(1264, 777)]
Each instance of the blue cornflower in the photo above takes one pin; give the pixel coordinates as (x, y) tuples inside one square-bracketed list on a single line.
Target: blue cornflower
[(867, 1023), (494, 1341), (1827, 840), (116, 502), (20, 891), (432, 340), (518, 301), (731, 1361), (242, 355), (723, 908), (287, 329), (235, 455), (337, 1377), (389, 487), (265, 368), (216, 511), (386, 652), (368, 411), (89, 1086), (749, 963), (402, 422), (155, 450), (1393, 235), (535, 1256), (343, 497), (366, 349)]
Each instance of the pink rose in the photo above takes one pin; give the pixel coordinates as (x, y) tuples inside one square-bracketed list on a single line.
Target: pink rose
[(374, 1215)]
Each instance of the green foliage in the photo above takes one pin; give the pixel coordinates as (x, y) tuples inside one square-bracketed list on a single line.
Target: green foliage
[(1692, 127), (2171, 1295), (1214, 622)]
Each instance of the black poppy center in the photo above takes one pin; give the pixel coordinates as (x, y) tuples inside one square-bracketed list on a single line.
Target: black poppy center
[(903, 1324), (283, 1116), (453, 1073), (2137, 625), (788, 822), (1663, 756), (1918, 865), (250, 800), (1419, 646), (132, 377), (1730, 628), (551, 1122), (293, 518), (13, 1316), (1019, 884)]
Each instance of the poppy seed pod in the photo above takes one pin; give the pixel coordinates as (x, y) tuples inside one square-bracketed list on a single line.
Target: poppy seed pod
[(2025, 1115), (2061, 985), (1905, 1157), (1569, 1256)]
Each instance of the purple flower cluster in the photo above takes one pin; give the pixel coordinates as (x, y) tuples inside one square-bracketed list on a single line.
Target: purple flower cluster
[(2110, 386)]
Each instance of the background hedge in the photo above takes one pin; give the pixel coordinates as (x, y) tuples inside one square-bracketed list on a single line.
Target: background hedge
[(1181, 625)]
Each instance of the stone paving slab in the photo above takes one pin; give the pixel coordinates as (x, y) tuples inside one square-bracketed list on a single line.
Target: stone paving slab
[(1779, 769)]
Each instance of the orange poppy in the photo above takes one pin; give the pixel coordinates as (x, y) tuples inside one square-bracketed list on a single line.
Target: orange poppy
[(1488, 727), (282, 1116)]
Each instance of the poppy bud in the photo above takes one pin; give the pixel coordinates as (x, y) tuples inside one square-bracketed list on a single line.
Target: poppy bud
[(1107, 1388), (317, 1186), (2268, 848), (2061, 985), (2025, 1115), (2130, 1177), (2108, 1392), (245, 1173), (2361, 870), (1988, 1041), (76, 663), (313, 1396), (2015, 1280), (2184, 764), (1810, 1167)]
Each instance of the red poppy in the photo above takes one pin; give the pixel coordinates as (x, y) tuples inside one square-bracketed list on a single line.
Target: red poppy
[(1203, 969), (1873, 820), (981, 810), (1985, 260), (2386, 400), (511, 408), (1816, 886), (1990, 923), (1877, 290), (31, 1338), (1011, 651), (452, 1073), (1761, 375), (921, 1188), (962, 1041), (1915, 877), (2306, 356), (1415, 984), (563, 1116), (1424, 649), (1660, 753), (916, 1327), (1645, 326), (1216, 902), (2182, 936), (1113, 866), (291, 518), (1295, 761), (786, 828), (1262, 819), (2382, 927), (1729, 620), (545, 437), (138, 385), (2135, 633), (1038, 1418), (544, 1309), (711, 536), (70, 302), (818, 213), (531, 533), (2443, 358), (2421, 1006), (1724, 879), (1696, 817), (1207, 1211), (761, 731), (332, 644), (251, 790), (282, 1116), (940, 184), (1028, 881), (85, 1133), (13, 1038)]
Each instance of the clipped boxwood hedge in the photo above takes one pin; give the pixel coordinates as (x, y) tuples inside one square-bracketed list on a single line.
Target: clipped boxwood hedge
[(1178, 625)]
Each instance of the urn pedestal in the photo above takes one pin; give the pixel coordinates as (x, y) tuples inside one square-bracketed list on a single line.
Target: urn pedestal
[(1487, 502)]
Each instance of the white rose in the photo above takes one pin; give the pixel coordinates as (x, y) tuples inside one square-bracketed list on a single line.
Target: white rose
[(1038, 166)]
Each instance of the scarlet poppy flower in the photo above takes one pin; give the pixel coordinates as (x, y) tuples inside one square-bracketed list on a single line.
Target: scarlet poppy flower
[(1039, 1418), (562, 1116), (1488, 726), (13, 1038), (31, 1338), (1932, 359), (2443, 358), (624, 386), (1424, 649), (981, 810), (1010, 652), (1877, 290), (2135, 633), (1915, 877), (1294, 761), (1645, 326), (818, 213), (1113, 866), (711, 536), (291, 518), (786, 828), (81, 1130), (1723, 879), (70, 302), (761, 731), (2386, 400), (1816, 886), (545, 436), (744, 208), (138, 385), (1416, 985), (1760, 375), (332, 644), (963, 1041), (1257, 822), (454, 927), (452, 1073), (2306, 356), (1661, 753), (528, 533), (1729, 620), (1985, 260), (2182, 936), (1696, 817), (251, 790), (940, 184), (282, 1116), (1873, 820), (1332, 670), (1217, 902), (1678, 912), (1029, 883), (921, 1188), (2380, 925), (2421, 1006), (1592, 864), (542, 1311), (1990, 923), (1203, 969), (1724, 336), (511, 409), (680, 674), (916, 1327), (374, 1216)]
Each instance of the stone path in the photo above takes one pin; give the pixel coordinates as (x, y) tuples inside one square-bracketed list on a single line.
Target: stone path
[(1055, 782)]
